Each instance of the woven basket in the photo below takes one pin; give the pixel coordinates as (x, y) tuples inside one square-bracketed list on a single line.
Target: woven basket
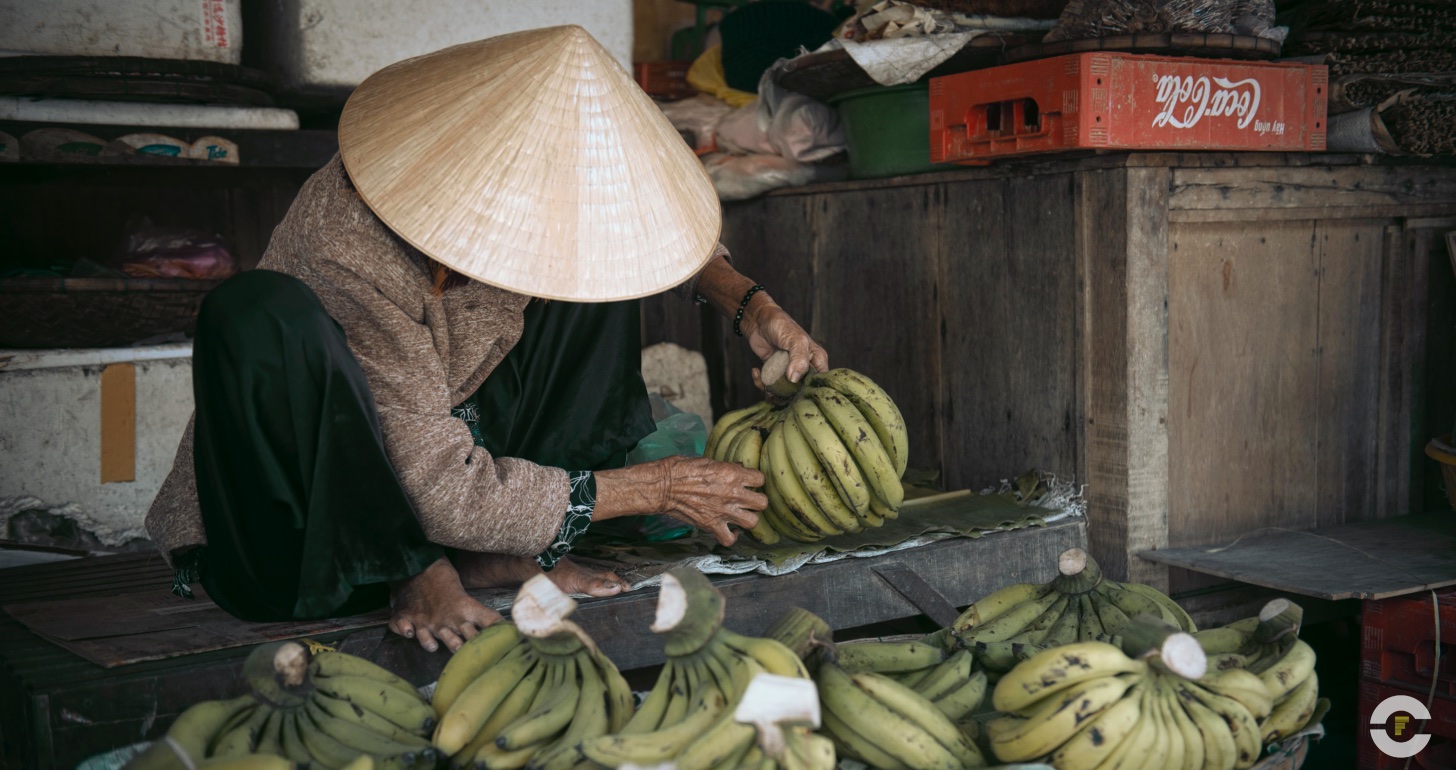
[(96, 312)]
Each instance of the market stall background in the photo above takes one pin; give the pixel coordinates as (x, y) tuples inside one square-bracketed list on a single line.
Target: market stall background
[(1225, 348)]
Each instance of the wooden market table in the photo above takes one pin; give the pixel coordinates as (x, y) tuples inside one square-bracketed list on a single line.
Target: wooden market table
[(57, 708)]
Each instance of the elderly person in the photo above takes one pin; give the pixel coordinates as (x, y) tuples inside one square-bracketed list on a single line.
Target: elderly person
[(431, 382)]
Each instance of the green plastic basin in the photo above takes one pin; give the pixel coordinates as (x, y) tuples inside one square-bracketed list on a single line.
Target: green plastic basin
[(888, 129)]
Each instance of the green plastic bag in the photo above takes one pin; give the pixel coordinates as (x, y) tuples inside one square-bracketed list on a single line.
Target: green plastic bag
[(678, 433)]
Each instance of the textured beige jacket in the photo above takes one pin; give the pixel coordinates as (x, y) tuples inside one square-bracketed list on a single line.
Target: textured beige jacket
[(422, 355)]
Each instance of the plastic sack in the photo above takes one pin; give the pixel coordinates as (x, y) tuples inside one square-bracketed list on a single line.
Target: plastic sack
[(796, 127), (160, 252), (740, 177), (698, 116)]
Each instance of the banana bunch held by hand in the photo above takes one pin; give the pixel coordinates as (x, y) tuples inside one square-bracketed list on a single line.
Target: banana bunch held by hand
[(1020, 620), (1268, 647), (529, 692), (688, 718), (1150, 704), (330, 710), (832, 454)]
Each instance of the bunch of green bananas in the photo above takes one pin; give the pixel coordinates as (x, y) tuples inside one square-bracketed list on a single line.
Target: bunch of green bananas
[(1269, 646), (1022, 619), (890, 725), (1092, 705), (326, 711), (832, 455), (688, 718), (528, 692)]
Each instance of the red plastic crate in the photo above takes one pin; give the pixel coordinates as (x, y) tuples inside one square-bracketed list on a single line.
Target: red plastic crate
[(1398, 644), (1439, 753), (1117, 101)]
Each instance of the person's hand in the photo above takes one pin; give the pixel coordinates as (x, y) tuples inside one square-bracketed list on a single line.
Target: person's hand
[(705, 493), (769, 329)]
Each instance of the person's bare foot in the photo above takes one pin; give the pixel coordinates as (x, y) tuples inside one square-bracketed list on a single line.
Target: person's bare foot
[(494, 570), (434, 608)]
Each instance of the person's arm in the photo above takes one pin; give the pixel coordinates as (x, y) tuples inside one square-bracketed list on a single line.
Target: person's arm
[(464, 497), (764, 324)]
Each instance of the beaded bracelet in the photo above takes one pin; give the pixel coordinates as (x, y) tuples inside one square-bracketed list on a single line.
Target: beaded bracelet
[(738, 317)]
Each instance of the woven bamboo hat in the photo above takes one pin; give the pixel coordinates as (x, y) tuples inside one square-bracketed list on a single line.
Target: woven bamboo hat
[(534, 163)]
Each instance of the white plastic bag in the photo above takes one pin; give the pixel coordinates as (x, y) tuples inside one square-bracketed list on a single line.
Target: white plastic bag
[(797, 127)]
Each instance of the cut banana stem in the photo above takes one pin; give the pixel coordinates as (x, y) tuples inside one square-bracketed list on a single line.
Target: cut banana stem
[(689, 611), (799, 630), (540, 612), (1144, 636), (1277, 619), (1079, 572), (772, 702), (775, 376)]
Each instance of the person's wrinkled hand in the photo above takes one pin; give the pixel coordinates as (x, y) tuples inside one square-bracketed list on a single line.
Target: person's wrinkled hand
[(769, 329), (710, 495)]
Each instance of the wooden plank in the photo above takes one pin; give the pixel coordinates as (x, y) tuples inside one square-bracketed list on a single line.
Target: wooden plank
[(1007, 285), (1310, 187), (876, 306), (1243, 365), (118, 423), (1366, 560), (1397, 351), (1434, 210), (1123, 256), (1347, 352)]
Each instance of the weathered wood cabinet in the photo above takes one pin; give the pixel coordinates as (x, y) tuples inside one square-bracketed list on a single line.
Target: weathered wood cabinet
[(1211, 342)]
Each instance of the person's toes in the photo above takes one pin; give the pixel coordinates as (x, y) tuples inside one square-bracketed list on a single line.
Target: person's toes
[(402, 626), (427, 640), (468, 630), (603, 587), (482, 616), (450, 638)]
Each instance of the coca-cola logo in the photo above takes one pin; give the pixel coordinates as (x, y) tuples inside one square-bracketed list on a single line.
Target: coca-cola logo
[(1186, 100)]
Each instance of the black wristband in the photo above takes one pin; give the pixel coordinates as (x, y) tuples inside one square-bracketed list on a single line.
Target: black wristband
[(738, 317)]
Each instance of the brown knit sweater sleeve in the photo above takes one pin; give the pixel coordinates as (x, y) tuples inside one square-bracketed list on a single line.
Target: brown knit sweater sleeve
[(464, 497)]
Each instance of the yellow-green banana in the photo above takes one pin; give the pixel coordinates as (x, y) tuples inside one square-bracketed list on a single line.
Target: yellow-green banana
[(856, 434), (810, 488), (878, 410), (839, 464), (1052, 671), (472, 660)]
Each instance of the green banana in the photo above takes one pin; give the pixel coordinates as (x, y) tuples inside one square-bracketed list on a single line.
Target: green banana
[(289, 741), (324, 748), (1099, 737), (474, 658), (889, 657), (727, 421), (1059, 668), (1010, 623), (839, 464), (649, 714), (878, 410), (240, 740), (1055, 720), (659, 746), (474, 706), (808, 487), (888, 729), (329, 663), (946, 676), (998, 603), (855, 432), (367, 719), (1289, 671), (965, 698), (723, 745), (544, 721), (908, 704), (1293, 713), (794, 518), (194, 729), (356, 736), (852, 744)]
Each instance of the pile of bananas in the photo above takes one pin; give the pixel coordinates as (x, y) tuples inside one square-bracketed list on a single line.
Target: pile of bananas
[(1092, 705), (1079, 605), (832, 455), (691, 717), (889, 725), (1269, 647), (326, 712), (528, 692)]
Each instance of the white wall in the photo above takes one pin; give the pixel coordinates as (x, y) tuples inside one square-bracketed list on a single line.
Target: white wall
[(50, 439), (330, 46)]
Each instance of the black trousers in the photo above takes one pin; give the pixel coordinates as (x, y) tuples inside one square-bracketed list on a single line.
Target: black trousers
[(305, 517)]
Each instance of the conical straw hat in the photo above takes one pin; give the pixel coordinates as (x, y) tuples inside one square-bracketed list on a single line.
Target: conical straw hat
[(532, 162)]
